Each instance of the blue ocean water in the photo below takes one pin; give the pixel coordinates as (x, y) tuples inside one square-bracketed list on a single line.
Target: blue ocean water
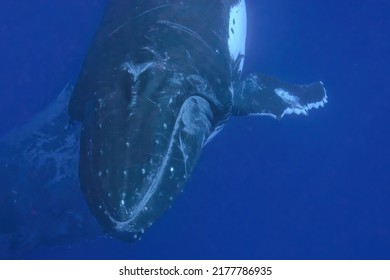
[(313, 187)]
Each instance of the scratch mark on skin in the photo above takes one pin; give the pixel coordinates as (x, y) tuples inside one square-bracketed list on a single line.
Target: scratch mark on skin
[(134, 18), (147, 98), (185, 29)]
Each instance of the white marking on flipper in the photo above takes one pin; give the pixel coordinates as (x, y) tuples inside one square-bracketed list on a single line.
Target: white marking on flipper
[(264, 114), (288, 98), (305, 108), (237, 32)]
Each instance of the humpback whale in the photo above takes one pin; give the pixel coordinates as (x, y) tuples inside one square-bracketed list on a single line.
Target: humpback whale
[(161, 79)]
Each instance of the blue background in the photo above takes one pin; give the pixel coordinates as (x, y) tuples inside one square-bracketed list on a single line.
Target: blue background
[(312, 187)]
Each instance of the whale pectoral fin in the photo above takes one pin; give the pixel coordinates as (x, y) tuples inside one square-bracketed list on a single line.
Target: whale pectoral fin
[(261, 94), (40, 200)]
